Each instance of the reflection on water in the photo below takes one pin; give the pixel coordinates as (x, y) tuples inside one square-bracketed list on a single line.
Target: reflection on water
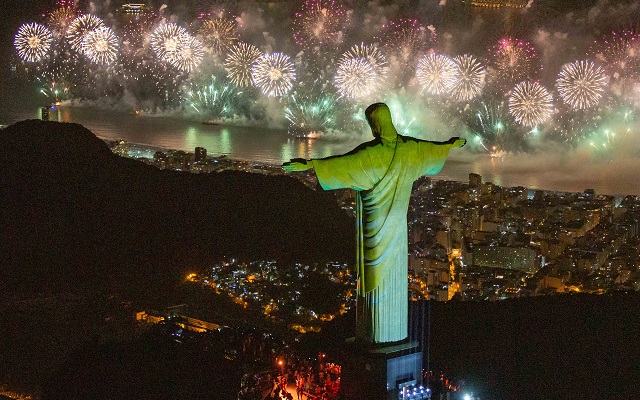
[(285, 152), (276, 146), (225, 142), (246, 143), (497, 180)]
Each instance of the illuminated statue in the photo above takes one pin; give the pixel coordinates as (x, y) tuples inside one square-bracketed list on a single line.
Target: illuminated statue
[(382, 173)]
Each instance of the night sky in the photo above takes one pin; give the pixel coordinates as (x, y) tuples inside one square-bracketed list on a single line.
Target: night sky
[(16, 12)]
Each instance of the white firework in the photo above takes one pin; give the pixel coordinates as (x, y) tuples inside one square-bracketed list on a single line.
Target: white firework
[(436, 73), (165, 40), (530, 103), (581, 84), (101, 45), (274, 74), (239, 63), (370, 54), (469, 78), (32, 41), (355, 78), (188, 54), (80, 27)]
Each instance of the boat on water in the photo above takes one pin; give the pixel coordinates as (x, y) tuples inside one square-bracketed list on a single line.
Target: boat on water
[(213, 121), (307, 135), (498, 154)]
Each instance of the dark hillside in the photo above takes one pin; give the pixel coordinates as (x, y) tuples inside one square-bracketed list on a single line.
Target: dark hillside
[(579, 346), (76, 216)]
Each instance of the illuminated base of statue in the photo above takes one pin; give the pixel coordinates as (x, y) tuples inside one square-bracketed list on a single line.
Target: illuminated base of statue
[(379, 371)]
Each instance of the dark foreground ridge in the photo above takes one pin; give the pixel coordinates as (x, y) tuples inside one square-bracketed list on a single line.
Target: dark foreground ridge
[(74, 214)]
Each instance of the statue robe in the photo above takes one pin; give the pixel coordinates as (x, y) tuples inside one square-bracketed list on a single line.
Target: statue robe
[(382, 173)]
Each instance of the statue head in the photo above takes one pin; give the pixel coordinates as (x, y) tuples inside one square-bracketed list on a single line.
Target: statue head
[(379, 119)]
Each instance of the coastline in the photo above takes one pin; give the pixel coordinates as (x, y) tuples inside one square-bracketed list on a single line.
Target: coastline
[(571, 172), (451, 171)]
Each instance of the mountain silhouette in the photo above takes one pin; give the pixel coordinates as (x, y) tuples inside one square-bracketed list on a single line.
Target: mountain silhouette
[(76, 215)]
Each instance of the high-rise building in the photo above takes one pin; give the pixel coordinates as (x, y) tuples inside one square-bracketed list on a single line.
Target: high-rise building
[(589, 194), (475, 180), (200, 154), (44, 113), (538, 195)]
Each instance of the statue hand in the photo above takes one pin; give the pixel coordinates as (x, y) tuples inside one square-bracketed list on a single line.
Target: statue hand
[(457, 142), (297, 165)]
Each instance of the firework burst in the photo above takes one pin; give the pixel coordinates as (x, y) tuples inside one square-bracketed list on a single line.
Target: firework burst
[(436, 73), (594, 127), (165, 40), (513, 61), (188, 55), (405, 39), (493, 128), (79, 28), (620, 53), (218, 35), (469, 78), (101, 45), (319, 22), (360, 71), (136, 30), (311, 115), (239, 62), (581, 84), (55, 91), (370, 54), (614, 124), (530, 104), (60, 19), (355, 78), (214, 98), (32, 41), (273, 74)]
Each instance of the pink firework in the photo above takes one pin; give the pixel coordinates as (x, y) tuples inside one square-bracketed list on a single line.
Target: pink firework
[(511, 61), (619, 54), (405, 40), (319, 22)]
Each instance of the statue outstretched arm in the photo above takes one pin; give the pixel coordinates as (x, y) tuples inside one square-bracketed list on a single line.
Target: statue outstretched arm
[(297, 165), (346, 171), (432, 155), (457, 142)]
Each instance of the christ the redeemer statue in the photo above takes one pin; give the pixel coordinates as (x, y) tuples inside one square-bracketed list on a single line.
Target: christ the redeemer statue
[(382, 173)]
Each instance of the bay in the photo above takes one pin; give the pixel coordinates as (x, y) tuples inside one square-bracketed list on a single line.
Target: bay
[(555, 171)]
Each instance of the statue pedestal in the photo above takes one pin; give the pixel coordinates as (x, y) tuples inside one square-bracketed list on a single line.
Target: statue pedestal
[(379, 371)]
